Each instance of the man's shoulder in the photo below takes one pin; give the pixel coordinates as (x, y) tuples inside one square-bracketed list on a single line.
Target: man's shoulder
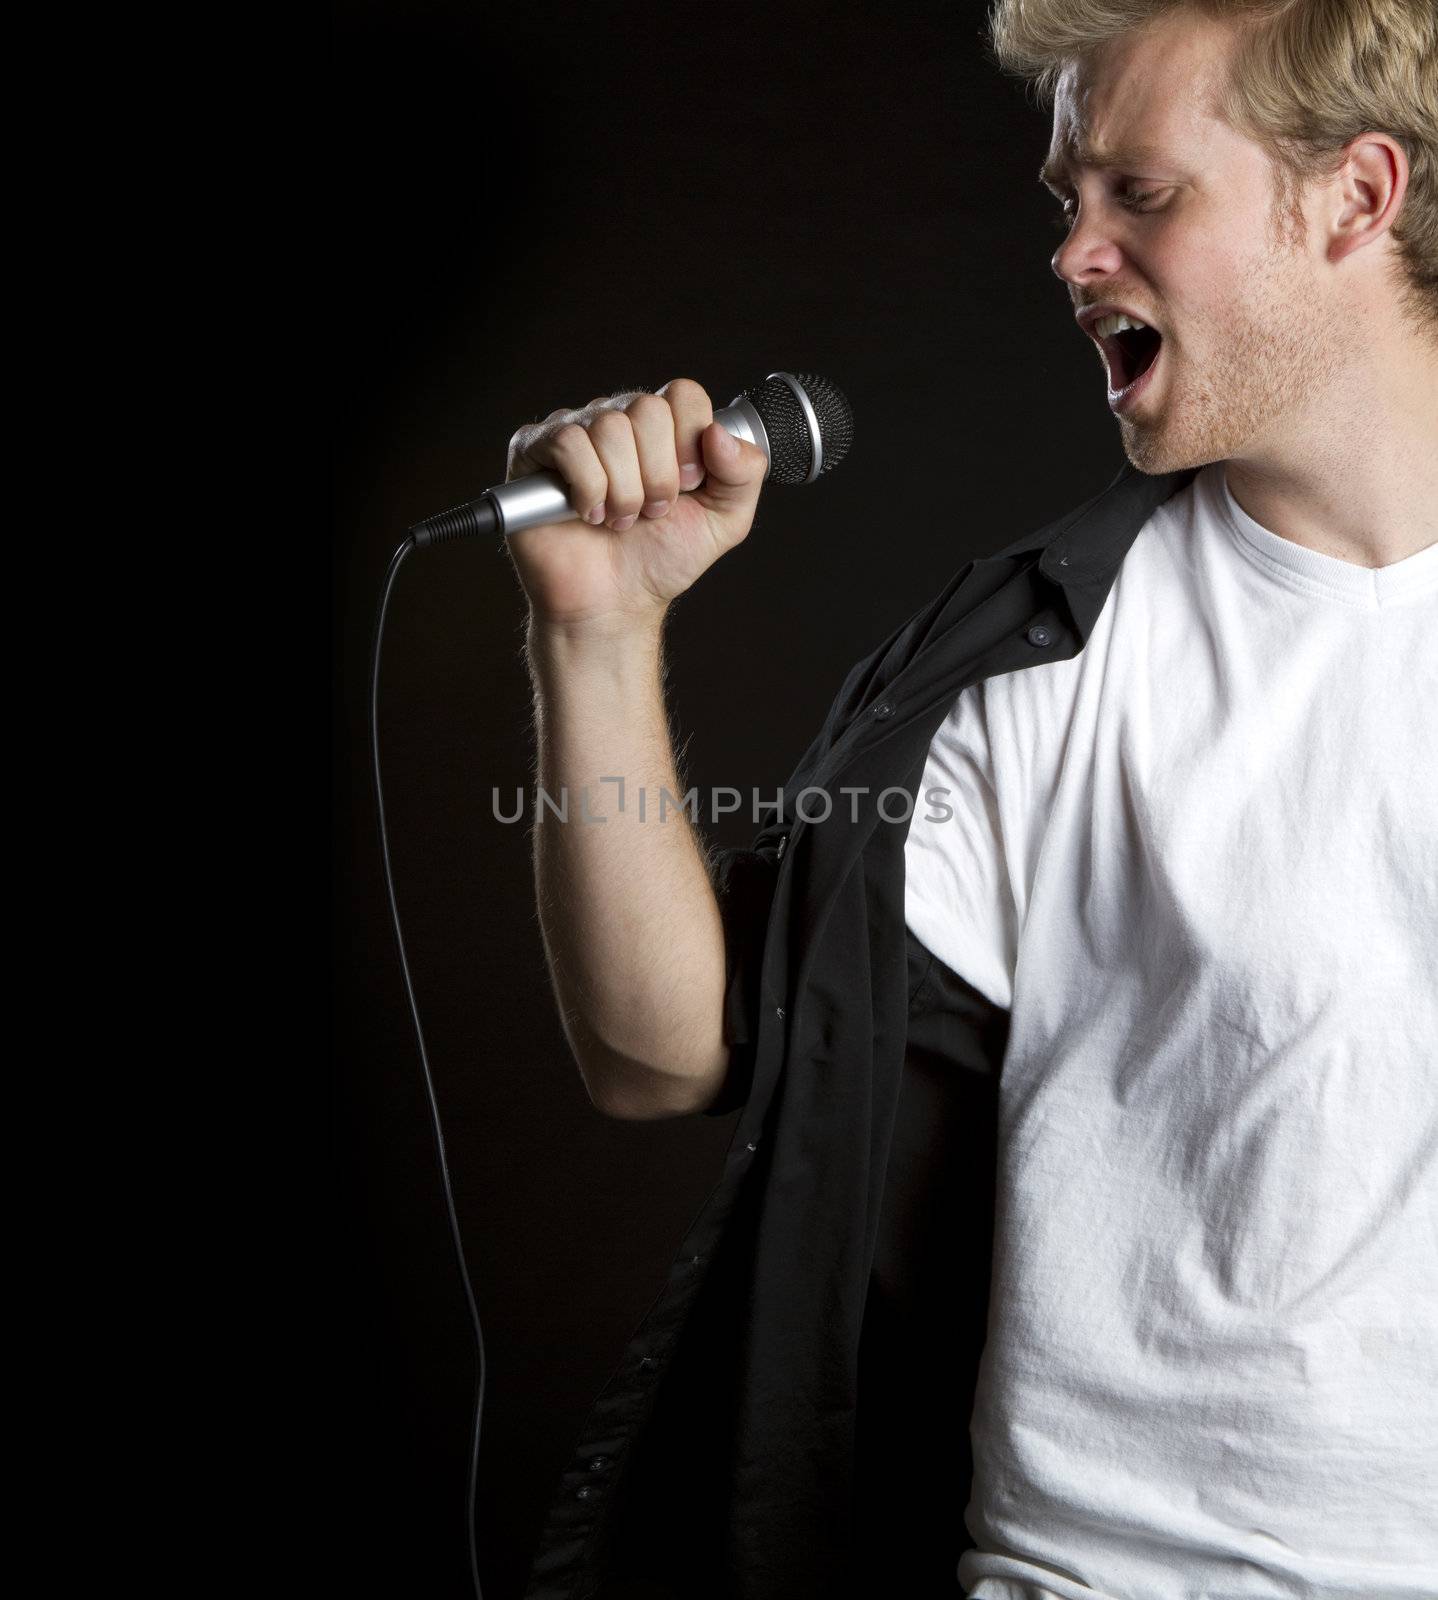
[(1098, 531), (1080, 550)]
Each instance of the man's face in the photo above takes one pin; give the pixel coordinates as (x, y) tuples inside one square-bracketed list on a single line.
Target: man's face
[(1173, 220)]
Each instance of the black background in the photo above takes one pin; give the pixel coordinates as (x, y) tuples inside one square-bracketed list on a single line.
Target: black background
[(531, 208)]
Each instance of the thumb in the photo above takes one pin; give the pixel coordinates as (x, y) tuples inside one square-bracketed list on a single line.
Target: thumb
[(734, 470)]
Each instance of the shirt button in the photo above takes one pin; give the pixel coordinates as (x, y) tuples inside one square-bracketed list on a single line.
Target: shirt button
[(751, 1145), (599, 1463), (779, 1012), (1040, 635), (647, 1363), (882, 710), (585, 1492)]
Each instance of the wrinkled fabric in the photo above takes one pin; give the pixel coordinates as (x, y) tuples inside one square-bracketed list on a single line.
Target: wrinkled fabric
[(790, 1418), (1199, 863)]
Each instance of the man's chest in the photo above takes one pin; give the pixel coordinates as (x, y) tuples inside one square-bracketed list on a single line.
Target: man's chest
[(1254, 822)]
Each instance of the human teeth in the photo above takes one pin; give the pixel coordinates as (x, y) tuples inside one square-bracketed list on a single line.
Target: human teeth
[(1106, 327)]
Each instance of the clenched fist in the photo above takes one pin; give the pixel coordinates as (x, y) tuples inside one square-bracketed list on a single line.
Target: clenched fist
[(663, 491)]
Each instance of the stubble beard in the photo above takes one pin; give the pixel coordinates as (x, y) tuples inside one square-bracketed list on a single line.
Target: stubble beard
[(1270, 357)]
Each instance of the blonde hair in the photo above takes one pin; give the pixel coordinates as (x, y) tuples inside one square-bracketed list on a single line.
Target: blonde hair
[(1312, 75)]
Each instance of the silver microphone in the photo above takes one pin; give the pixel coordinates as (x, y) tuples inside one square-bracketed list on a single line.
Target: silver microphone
[(802, 423)]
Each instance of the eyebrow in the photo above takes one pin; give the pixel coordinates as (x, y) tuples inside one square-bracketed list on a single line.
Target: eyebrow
[(1057, 167)]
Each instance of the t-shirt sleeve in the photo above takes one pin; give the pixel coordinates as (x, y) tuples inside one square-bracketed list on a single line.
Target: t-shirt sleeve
[(957, 897)]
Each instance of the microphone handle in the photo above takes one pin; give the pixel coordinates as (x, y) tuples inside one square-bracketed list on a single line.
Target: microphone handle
[(541, 497)]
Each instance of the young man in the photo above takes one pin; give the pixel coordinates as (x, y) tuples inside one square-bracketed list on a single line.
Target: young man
[(1172, 880)]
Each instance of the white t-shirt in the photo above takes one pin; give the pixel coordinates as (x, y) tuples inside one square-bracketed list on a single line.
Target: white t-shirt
[(1199, 863)]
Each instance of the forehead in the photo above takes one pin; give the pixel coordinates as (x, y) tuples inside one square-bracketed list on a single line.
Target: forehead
[(1149, 98)]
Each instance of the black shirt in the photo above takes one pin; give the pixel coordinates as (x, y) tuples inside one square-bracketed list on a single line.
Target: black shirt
[(791, 1417)]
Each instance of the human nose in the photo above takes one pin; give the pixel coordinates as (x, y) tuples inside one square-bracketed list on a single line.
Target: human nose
[(1089, 251)]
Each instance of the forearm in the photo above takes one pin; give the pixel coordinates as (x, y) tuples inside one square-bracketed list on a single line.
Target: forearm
[(631, 926)]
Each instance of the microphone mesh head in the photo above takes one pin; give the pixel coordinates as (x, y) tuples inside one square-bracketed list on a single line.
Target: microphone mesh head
[(791, 450)]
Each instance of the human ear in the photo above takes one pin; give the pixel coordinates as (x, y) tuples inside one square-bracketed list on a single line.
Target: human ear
[(1368, 189)]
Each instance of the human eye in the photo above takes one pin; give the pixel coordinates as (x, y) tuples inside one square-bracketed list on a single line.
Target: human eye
[(1139, 200)]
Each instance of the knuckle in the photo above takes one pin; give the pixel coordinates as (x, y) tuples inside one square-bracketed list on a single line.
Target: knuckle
[(524, 446), (686, 392), (569, 436), (576, 463), (649, 407), (613, 427), (613, 439)]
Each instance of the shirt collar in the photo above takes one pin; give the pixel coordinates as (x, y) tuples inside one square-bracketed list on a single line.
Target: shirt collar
[(1081, 552)]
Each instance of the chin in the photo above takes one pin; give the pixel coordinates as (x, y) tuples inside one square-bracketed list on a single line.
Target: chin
[(1149, 451), (1155, 449)]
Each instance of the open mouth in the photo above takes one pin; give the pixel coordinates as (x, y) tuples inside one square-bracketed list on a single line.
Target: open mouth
[(1129, 348)]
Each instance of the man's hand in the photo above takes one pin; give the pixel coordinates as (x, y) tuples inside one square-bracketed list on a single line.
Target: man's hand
[(664, 491)]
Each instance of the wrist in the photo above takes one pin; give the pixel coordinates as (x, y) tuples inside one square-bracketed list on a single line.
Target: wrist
[(611, 645)]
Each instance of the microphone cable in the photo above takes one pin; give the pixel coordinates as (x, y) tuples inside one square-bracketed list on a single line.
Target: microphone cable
[(396, 562), (805, 426)]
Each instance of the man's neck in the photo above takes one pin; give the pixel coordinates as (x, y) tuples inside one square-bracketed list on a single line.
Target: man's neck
[(1355, 476)]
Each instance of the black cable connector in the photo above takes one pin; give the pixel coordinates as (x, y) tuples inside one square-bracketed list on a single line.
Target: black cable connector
[(461, 522)]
